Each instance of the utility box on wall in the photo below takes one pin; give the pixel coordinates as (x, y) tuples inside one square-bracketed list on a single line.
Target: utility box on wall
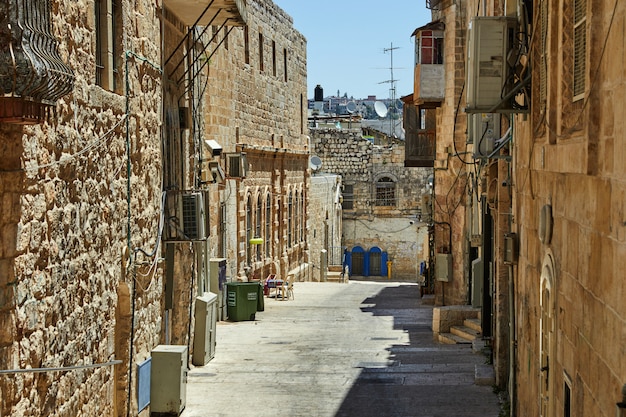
[(168, 380), (204, 336), (443, 267), (217, 274)]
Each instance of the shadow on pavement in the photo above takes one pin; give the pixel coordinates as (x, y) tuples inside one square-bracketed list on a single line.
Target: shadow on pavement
[(421, 378)]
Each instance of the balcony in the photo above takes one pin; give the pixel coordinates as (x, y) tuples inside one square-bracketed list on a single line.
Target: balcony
[(209, 12), (429, 81), (32, 74)]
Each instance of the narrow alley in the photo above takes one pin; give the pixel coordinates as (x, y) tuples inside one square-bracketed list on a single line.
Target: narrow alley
[(357, 349)]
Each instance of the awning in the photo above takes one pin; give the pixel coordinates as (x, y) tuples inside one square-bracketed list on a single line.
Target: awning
[(204, 12)]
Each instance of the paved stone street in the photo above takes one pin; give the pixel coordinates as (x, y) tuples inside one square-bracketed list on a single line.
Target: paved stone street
[(358, 349)]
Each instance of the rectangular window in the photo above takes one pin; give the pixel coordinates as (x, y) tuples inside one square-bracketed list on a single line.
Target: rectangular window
[(567, 397), (246, 41), (109, 34), (261, 59), (429, 47), (580, 47), (348, 197), (274, 58), (285, 64)]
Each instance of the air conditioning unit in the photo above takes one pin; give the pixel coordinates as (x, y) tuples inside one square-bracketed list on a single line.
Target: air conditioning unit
[(237, 165), (483, 130), (186, 216), (192, 213), (443, 267), (490, 39)]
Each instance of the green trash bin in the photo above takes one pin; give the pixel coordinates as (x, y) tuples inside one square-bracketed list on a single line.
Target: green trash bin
[(260, 306), (242, 299)]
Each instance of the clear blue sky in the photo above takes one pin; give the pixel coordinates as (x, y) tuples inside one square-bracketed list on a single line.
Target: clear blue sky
[(346, 40)]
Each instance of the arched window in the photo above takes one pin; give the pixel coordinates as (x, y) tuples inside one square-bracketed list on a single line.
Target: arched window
[(302, 217), (289, 218), (257, 231), (296, 226), (268, 226), (248, 230), (385, 192)]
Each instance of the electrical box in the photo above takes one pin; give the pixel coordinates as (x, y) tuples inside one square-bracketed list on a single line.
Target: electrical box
[(490, 39), (483, 131), (510, 248), (217, 277), (168, 379), (443, 267), (204, 336), (478, 282)]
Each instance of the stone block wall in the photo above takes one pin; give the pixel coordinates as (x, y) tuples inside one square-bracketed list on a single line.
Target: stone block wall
[(395, 229), (256, 103), (70, 210)]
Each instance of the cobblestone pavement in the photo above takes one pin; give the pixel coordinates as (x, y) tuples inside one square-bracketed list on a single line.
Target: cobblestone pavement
[(357, 349)]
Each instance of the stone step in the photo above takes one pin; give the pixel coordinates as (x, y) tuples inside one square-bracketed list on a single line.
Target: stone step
[(473, 324), (332, 276), (465, 332), (484, 375), (452, 339)]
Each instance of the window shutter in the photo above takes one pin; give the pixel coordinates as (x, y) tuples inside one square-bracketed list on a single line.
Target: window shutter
[(580, 47)]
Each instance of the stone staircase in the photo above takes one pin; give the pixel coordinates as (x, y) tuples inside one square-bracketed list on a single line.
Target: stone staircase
[(334, 273), (465, 333), (456, 324), (462, 325)]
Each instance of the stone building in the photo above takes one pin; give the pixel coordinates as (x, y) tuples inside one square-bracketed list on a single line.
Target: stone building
[(381, 202), (256, 110), (137, 132), (536, 244)]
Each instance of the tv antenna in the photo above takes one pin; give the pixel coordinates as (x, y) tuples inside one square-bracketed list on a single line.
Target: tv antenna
[(392, 89)]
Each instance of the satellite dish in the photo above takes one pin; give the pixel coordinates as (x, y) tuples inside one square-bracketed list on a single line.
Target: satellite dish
[(380, 108), (315, 163), (351, 107)]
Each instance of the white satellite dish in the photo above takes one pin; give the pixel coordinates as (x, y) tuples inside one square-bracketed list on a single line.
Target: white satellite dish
[(380, 108), (315, 163), (351, 107)]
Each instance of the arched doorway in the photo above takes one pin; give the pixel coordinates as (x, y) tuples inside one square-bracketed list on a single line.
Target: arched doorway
[(358, 261), (546, 337)]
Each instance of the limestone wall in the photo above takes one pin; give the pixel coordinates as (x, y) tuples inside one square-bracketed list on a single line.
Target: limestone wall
[(70, 209), (256, 103), (395, 228)]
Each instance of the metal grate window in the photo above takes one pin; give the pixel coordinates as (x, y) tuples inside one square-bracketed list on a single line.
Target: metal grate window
[(348, 197), (580, 47), (385, 192)]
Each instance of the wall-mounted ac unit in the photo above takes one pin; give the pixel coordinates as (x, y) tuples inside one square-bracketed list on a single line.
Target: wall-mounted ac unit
[(490, 39), (483, 130), (237, 165), (186, 215), (443, 267)]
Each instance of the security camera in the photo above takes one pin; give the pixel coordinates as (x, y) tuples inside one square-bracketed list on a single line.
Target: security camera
[(214, 147), (217, 172), (411, 222)]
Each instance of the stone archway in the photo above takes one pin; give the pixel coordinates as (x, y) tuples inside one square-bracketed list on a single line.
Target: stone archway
[(546, 337)]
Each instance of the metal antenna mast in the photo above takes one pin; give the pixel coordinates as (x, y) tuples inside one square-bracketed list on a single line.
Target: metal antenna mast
[(392, 89)]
